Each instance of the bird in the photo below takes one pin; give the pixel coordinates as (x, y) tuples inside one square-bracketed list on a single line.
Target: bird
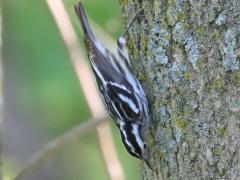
[(120, 91)]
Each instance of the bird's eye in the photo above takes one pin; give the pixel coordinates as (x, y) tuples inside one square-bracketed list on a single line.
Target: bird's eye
[(144, 146)]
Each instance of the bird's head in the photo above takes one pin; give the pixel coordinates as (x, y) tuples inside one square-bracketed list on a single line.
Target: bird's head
[(133, 140)]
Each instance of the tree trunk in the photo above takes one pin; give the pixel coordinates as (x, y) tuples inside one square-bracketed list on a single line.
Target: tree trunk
[(186, 55)]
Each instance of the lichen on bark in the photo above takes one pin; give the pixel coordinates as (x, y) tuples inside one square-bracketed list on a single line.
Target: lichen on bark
[(186, 54)]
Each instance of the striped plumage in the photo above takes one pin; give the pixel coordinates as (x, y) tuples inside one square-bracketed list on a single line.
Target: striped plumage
[(121, 92)]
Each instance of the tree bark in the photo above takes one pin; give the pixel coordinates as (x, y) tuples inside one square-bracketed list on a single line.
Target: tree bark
[(186, 54)]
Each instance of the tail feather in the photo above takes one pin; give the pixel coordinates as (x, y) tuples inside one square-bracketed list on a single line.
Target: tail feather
[(84, 21)]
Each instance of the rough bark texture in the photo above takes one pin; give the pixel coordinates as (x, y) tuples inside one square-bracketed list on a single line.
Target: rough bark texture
[(186, 54)]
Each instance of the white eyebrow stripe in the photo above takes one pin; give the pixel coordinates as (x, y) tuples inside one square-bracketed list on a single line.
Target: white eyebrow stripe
[(126, 140), (137, 136), (129, 102)]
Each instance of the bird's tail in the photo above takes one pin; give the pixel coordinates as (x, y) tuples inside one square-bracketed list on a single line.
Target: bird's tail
[(84, 21)]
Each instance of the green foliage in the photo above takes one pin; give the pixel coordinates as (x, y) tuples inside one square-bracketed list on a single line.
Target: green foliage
[(44, 88)]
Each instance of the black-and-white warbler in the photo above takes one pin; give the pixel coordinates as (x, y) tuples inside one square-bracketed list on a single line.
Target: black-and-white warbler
[(121, 92)]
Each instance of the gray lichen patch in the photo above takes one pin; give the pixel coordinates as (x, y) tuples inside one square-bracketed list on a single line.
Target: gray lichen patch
[(163, 111), (177, 71), (183, 36), (161, 35), (160, 55), (230, 57), (221, 19), (209, 156), (233, 103), (186, 54), (157, 44), (175, 11)]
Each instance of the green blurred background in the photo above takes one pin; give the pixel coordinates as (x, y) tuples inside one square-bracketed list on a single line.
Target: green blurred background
[(43, 98)]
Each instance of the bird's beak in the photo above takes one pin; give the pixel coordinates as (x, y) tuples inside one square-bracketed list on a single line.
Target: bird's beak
[(148, 164)]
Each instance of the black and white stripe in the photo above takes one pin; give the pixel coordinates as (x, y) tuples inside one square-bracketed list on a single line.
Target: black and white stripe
[(121, 92), (132, 138)]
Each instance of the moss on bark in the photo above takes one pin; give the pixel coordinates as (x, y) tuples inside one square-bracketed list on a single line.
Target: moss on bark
[(186, 53)]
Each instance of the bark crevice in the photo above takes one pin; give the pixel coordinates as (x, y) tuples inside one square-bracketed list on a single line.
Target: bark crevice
[(186, 56)]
